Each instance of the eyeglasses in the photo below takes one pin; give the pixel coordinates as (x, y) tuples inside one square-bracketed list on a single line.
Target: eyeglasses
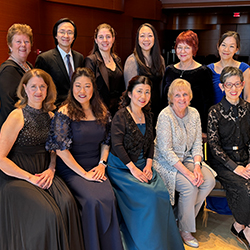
[(63, 32), (229, 85)]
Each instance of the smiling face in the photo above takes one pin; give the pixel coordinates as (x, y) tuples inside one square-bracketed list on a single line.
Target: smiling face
[(65, 35), (140, 95), (227, 48), (232, 94), (83, 90), (146, 39), (20, 47), (180, 99), (36, 91), (184, 52), (104, 40)]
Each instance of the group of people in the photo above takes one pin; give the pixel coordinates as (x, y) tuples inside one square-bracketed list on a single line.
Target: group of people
[(103, 171)]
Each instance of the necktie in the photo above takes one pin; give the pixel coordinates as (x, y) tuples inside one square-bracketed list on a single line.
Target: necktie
[(69, 66)]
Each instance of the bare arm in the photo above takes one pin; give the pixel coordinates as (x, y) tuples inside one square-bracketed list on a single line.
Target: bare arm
[(246, 75), (8, 136)]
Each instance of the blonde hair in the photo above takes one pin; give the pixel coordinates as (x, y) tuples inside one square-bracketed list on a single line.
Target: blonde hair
[(18, 28), (179, 84), (48, 102)]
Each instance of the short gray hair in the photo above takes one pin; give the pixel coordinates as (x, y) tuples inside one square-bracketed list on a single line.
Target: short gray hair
[(230, 71)]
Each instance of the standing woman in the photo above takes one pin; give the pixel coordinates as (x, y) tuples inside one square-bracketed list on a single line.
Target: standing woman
[(146, 60), (199, 76), (37, 210), (80, 134), (106, 66), (229, 140), (19, 40), (147, 218), (227, 46)]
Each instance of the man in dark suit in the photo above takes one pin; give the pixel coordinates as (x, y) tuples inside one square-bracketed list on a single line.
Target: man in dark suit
[(61, 61)]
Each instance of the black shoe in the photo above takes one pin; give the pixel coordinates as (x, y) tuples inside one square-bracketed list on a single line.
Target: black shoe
[(233, 230), (242, 238)]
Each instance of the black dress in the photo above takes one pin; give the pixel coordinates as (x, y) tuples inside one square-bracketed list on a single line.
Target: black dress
[(10, 76), (30, 217), (229, 140), (96, 200), (201, 85)]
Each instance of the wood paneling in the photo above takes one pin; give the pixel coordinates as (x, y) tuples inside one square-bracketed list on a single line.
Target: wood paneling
[(102, 4)]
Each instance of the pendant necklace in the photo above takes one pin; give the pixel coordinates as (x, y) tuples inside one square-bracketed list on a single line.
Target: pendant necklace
[(139, 118), (182, 71)]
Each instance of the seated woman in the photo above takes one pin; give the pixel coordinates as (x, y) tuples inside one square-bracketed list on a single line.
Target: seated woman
[(178, 157), (148, 219), (80, 134), (229, 140), (37, 211)]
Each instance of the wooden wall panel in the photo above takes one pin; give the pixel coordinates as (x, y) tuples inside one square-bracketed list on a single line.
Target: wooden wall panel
[(17, 12), (41, 15), (103, 4)]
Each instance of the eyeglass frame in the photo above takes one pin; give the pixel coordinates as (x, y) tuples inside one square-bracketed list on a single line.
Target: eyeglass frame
[(63, 33), (233, 84)]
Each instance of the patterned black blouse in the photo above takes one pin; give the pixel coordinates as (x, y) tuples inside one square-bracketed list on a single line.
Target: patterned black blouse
[(229, 133)]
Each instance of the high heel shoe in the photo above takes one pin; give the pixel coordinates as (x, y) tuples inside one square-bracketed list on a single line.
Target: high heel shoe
[(242, 239), (233, 231)]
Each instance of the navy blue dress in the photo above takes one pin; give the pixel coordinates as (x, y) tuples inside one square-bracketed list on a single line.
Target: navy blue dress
[(96, 200)]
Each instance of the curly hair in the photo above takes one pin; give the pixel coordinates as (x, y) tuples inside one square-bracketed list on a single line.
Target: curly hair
[(18, 28), (125, 99), (157, 67), (75, 110), (48, 102)]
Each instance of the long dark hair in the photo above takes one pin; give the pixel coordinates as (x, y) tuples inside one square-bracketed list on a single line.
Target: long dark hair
[(157, 67), (75, 111), (125, 99)]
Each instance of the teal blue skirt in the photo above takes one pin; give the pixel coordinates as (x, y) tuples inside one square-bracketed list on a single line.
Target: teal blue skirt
[(148, 221)]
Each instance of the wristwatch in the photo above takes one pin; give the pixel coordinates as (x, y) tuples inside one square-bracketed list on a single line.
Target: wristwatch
[(198, 163), (103, 163)]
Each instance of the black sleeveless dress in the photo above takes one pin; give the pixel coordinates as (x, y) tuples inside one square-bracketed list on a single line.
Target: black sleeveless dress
[(30, 217)]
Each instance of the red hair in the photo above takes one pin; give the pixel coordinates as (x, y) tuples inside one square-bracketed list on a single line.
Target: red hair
[(190, 38)]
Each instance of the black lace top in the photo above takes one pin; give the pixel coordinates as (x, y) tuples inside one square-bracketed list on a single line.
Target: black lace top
[(229, 133), (36, 127), (127, 141)]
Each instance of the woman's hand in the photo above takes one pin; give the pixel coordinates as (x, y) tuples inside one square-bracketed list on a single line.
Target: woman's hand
[(99, 172), (148, 172), (90, 176), (198, 175), (243, 171), (138, 174), (45, 178)]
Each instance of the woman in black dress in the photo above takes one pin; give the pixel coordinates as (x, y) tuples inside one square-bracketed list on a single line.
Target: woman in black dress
[(80, 134), (106, 66), (229, 140), (199, 76), (146, 60), (37, 211), (19, 40)]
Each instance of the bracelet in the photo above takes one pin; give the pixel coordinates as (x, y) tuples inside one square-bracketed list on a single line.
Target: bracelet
[(104, 163), (198, 163)]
